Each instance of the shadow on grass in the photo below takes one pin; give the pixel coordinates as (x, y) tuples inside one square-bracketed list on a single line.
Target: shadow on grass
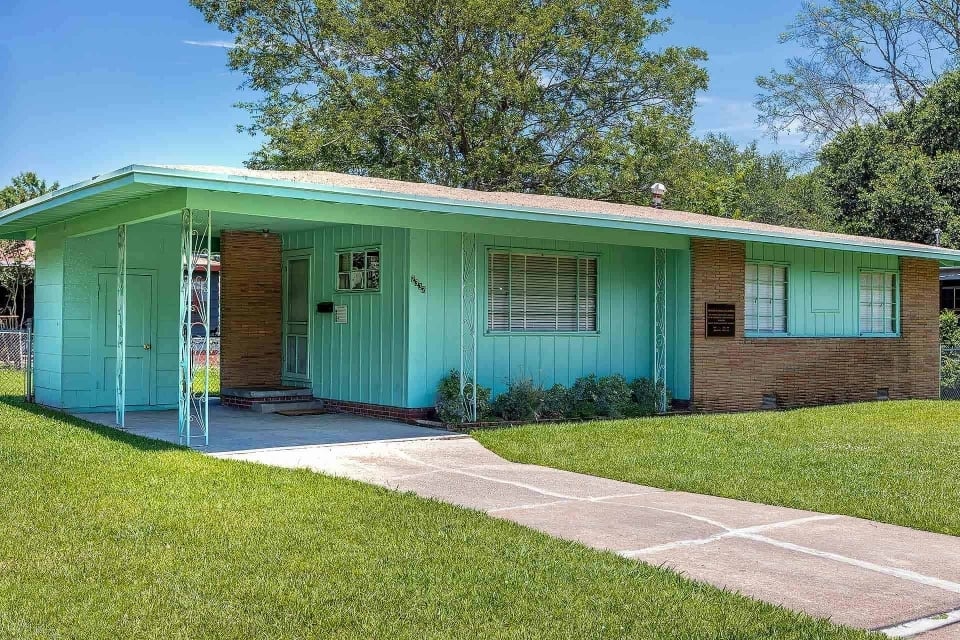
[(112, 433)]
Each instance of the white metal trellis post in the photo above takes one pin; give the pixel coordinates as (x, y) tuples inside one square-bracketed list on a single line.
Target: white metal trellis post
[(468, 324), (660, 327)]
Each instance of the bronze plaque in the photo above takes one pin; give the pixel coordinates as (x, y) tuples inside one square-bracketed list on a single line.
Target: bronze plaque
[(721, 320)]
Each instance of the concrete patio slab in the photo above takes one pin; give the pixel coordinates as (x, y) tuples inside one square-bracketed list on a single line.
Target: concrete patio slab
[(240, 430), (855, 572)]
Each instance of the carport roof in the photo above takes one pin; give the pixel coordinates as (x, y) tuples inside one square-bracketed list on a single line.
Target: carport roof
[(139, 181)]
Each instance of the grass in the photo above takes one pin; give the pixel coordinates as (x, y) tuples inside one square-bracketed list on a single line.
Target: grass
[(107, 535), (894, 462), (199, 378)]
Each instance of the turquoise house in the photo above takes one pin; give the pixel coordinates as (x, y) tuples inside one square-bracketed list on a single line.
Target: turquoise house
[(364, 293)]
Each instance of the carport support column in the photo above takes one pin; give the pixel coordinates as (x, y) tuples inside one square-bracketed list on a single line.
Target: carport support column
[(121, 369), (468, 324), (660, 327), (194, 405)]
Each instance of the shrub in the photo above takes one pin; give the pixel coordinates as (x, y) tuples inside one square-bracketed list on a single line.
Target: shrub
[(609, 396), (450, 405), (583, 397), (646, 395), (556, 403), (522, 400)]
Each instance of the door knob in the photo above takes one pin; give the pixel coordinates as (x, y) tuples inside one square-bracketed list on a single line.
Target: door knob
[(147, 347)]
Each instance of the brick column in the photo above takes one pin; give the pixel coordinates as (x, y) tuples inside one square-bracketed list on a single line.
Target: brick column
[(250, 309), (733, 374)]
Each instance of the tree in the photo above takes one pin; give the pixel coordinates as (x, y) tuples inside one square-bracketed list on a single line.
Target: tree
[(866, 58), (553, 97), (900, 177), (16, 256)]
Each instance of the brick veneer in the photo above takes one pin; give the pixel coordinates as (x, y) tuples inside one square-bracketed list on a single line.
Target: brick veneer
[(379, 410), (733, 374), (250, 309)]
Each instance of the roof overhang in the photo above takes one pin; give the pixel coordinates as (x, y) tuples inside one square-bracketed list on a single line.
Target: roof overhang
[(137, 182)]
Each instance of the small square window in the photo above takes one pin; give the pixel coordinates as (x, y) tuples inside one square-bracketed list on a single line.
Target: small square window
[(358, 270)]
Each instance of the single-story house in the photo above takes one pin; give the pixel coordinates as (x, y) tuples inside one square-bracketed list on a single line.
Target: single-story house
[(366, 292)]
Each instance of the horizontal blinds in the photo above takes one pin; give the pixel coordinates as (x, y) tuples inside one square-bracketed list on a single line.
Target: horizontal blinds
[(529, 292)]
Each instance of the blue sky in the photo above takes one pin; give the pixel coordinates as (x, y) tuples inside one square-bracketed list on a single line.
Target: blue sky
[(87, 87)]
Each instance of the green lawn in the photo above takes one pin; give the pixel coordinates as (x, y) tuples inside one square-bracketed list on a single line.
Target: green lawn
[(894, 461), (106, 535)]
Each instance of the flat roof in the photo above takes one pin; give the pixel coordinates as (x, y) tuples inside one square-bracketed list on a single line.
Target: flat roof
[(137, 181)]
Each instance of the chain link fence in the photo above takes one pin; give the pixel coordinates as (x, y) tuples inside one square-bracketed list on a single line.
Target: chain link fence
[(16, 363), (950, 373)]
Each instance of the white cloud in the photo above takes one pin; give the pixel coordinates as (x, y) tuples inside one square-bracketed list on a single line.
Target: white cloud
[(222, 44)]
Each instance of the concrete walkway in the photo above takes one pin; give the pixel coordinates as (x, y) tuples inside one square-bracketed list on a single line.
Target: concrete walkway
[(856, 572)]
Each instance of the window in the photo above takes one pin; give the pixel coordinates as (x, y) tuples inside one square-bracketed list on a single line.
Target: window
[(533, 292), (358, 270), (949, 297), (878, 302), (765, 308)]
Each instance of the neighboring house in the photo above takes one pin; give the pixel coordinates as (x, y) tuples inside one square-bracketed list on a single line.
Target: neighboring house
[(950, 288), (200, 290), (369, 291)]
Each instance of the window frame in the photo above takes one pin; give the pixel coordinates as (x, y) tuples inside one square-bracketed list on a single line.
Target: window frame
[(896, 302), (352, 250), (759, 333), (485, 284)]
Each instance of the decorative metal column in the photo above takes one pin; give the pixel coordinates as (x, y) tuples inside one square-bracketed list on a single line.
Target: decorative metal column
[(660, 327), (121, 368), (468, 324), (194, 407)]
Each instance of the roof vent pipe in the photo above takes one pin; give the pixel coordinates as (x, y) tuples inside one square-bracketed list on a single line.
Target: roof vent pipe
[(658, 189)]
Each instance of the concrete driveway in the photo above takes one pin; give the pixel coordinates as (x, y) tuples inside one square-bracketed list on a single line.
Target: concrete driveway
[(855, 572)]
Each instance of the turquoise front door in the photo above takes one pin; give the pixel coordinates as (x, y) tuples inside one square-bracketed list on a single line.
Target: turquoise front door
[(296, 316), (139, 340)]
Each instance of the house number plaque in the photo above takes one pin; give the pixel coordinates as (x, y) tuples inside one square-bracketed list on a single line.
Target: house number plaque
[(721, 320)]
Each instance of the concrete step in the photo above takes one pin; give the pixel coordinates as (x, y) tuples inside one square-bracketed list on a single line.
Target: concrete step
[(286, 405)]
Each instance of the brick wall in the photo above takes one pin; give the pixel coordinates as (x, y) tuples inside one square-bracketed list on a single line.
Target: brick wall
[(733, 374), (250, 309)]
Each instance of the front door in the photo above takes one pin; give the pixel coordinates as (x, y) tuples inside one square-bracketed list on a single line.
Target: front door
[(139, 340), (296, 316)]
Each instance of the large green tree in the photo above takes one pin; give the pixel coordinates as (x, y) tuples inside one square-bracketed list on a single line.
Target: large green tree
[(900, 177), (860, 60), (564, 97), (23, 187)]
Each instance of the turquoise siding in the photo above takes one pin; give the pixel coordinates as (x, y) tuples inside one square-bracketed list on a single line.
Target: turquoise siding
[(152, 249), (623, 344), (48, 315), (822, 286), (365, 359)]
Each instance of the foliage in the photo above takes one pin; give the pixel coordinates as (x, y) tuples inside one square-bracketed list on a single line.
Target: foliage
[(522, 401), (23, 187), (889, 461), (949, 330), (556, 403), (899, 178), (450, 404), (609, 396), (863, 58), (16, 256), (646, 396), (110, 535), (486, 94)]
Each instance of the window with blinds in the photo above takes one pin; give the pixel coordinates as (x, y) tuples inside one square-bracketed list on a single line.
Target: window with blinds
[(878, 302), (765, 298), (540, 293)]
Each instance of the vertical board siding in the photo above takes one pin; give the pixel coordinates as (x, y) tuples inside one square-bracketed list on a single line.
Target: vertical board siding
[(48, 315), (365, 359), (623, 344), (809, 271), (152, 248)]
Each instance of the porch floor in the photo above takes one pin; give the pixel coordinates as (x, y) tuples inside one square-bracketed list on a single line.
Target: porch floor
[(242, 430)]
